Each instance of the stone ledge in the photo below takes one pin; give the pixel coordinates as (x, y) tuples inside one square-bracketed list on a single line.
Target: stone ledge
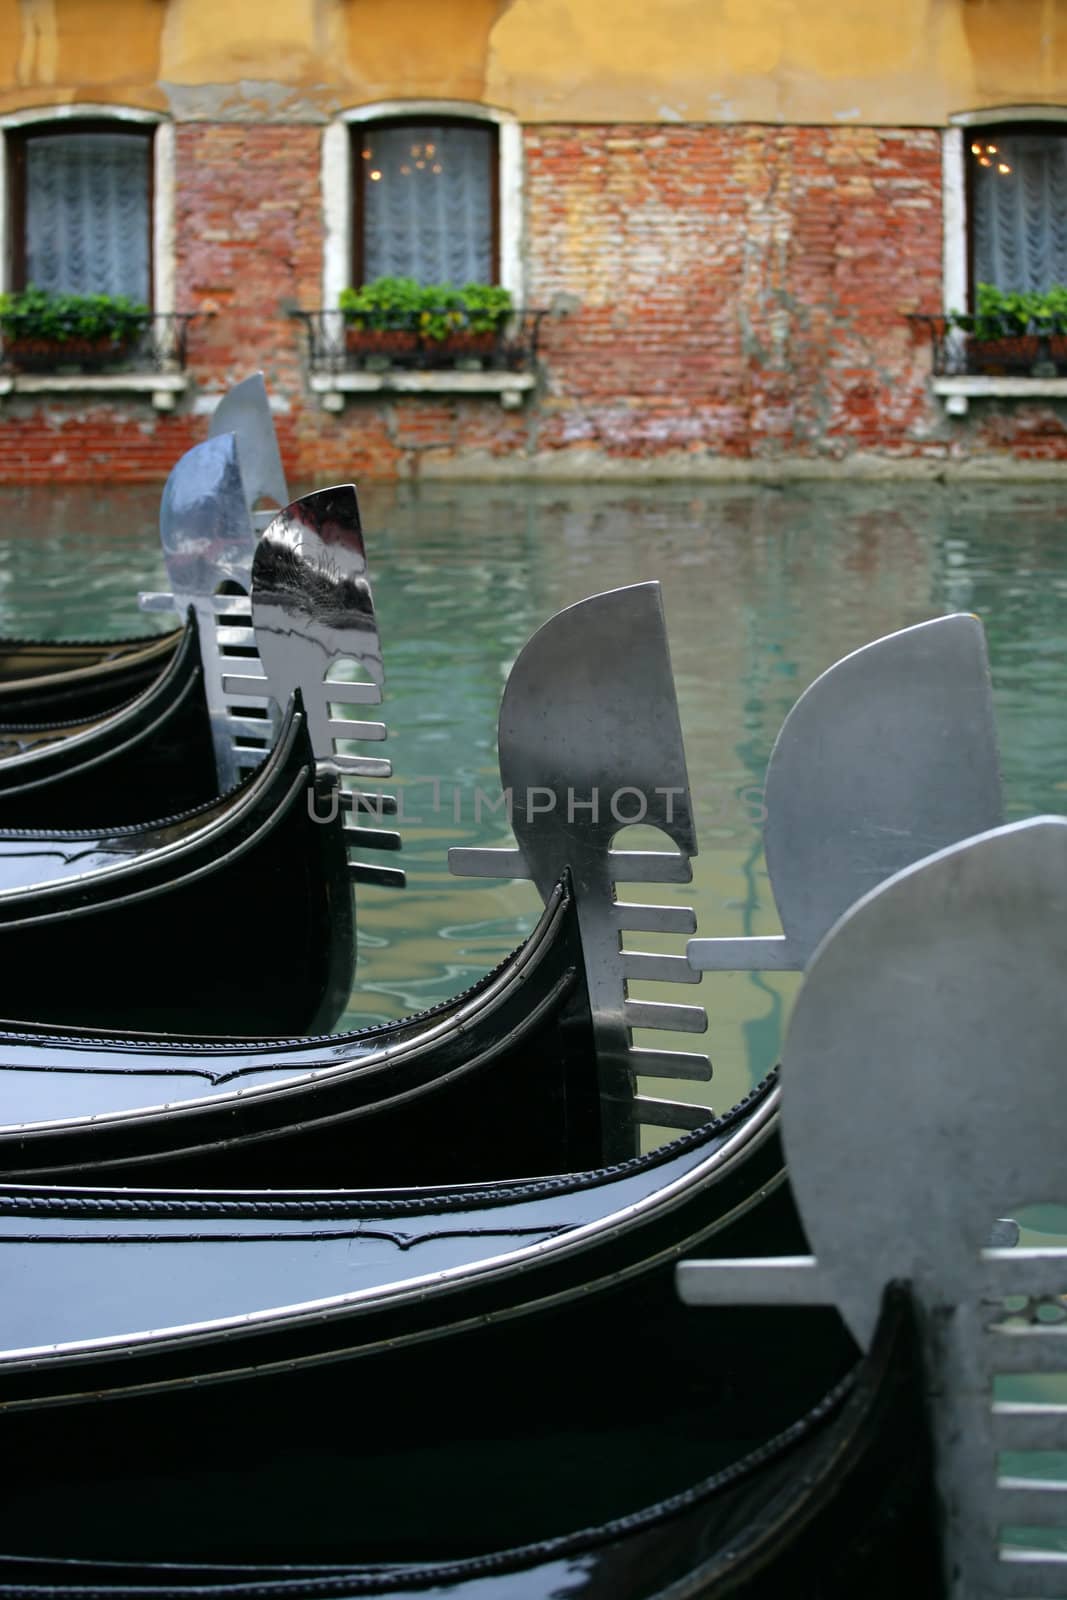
[(957, 393), (163, 387), (332, 388)]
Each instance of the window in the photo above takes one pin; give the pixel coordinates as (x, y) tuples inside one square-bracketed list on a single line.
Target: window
[(1017, 200), (1004, 222), (388, 213), (425, 196), (87, 206), (88, 201), (461, 224), (81, 208)]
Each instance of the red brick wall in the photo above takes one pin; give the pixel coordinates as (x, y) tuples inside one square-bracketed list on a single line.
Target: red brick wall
[(744, 290), (740, 292)]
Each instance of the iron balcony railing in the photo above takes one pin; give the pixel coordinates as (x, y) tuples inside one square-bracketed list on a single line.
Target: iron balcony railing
[(158, 343), (1001, 348), (335, 346)]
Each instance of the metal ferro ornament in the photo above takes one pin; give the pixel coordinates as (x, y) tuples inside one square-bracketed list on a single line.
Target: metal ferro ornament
[(245, 411), (590, 740), (890, 755), (312, 612), (207, 542), (924, 1084)]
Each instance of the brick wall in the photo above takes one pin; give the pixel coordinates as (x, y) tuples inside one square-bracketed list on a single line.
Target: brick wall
[(740, 293)]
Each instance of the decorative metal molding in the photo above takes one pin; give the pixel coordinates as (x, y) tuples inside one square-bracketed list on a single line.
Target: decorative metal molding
[(312, 609), (924, 1085), (890, 755), (590, 741)]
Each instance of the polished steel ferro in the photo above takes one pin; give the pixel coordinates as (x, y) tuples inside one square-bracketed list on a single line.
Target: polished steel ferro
[(890, 755), (217, 584), (208, 541), (924, 1085), (590, 741), (245, 411), (313, 618)]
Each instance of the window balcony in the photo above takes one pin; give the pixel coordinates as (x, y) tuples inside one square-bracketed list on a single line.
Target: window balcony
[(152, 362), (343, 360), (1013, 365)]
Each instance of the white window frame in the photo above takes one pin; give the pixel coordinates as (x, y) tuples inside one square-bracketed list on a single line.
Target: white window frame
[(956, 392), (163, 265), (337, 186)]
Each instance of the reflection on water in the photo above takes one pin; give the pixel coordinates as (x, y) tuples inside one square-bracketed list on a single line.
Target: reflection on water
[(763, 588)]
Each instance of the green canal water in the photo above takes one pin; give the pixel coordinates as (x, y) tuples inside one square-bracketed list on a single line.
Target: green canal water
[(763, 589)]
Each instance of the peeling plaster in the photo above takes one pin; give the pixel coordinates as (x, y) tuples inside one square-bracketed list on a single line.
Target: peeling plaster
[(40, 42), (248, 100)]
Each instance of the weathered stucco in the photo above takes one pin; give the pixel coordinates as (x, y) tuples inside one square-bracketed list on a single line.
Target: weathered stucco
[(779, 61)]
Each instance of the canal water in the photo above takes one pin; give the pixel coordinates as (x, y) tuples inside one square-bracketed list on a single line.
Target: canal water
[(763, 588)]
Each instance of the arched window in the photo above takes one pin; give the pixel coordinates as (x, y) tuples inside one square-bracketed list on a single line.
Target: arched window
[(425, 196), (1017, 183), (89, 202), (425, 189), (1004, 199), (81, 207)]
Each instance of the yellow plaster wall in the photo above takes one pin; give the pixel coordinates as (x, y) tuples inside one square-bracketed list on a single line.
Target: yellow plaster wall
[(58, 51), (815, 61), (406, 49)]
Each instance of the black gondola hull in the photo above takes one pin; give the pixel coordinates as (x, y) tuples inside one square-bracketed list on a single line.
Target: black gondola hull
[(499, 1082), (150, 758), (133, 930), (60, 681), (510, 1464)]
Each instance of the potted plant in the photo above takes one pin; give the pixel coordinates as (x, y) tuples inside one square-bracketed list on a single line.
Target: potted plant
[(396, 320), (465, 324), (43, 330), (1015, 330), (382, 318)]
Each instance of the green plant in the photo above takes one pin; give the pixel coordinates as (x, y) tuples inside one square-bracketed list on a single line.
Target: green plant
[(387, 303), (1001, 313), (34, 313), (442, 311), (436, 310), (487, 306)]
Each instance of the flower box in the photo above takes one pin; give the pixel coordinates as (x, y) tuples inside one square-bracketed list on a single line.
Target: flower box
[(29, 354), (392, 345)]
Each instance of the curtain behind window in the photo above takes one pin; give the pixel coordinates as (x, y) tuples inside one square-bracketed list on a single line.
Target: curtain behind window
[(1020, 217), (429, 213), (87, 223)]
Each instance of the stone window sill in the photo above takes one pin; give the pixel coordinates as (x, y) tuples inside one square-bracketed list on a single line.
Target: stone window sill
[(333, 388), (957, 393), (165, 388)]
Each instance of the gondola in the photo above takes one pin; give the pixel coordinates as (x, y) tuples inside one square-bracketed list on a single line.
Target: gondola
[(172, 746), (104, 927), (46, 681), (60, 682), (160, 755), (428, 1099), (460, 1415), (739, 1475), (95, 923), (152, 757)]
